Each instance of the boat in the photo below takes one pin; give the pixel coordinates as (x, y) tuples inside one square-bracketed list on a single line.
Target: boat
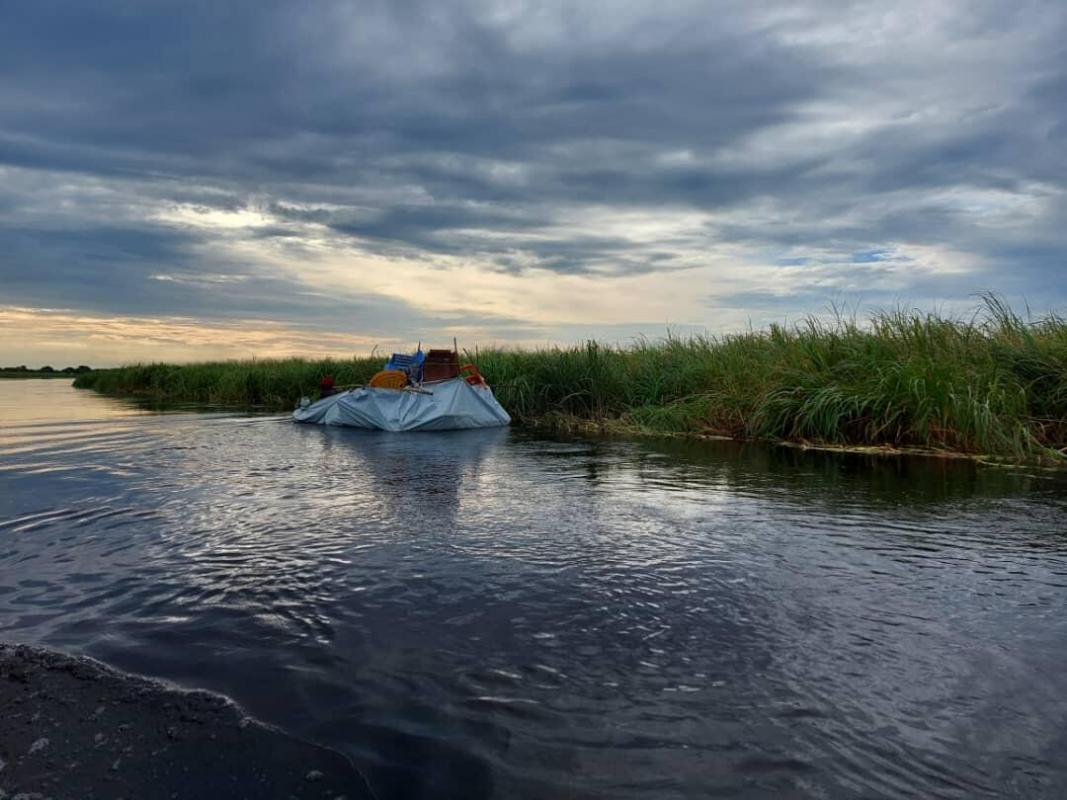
[(411, 393)]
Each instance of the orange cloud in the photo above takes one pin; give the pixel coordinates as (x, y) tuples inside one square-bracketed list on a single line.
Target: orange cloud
[(60, 337)]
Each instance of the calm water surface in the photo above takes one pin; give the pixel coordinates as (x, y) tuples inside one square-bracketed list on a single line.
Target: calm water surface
[(492, 614)]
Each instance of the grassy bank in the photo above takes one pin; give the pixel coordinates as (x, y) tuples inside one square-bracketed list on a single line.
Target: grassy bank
[(992, 384)]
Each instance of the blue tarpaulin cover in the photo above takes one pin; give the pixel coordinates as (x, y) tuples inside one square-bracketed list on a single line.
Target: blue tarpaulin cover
[(447, 405)]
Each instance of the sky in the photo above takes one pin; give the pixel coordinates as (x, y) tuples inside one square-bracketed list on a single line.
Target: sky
[(189, 180)]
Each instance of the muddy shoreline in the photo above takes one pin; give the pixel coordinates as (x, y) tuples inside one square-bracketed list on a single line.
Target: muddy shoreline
[(71, 727)]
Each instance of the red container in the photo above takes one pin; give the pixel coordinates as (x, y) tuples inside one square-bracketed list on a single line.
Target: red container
[(440, 365)]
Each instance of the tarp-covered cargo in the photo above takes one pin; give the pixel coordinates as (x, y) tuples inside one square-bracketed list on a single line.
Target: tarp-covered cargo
[(446, 405)]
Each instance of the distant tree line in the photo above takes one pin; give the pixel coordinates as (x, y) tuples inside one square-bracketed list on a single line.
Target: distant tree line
[(69, 370)]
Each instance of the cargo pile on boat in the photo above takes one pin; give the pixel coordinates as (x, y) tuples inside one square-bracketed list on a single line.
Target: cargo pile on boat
[(412, 392)]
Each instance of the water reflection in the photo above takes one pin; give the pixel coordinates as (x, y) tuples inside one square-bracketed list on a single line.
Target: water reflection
[(494, 614), (412, 475)]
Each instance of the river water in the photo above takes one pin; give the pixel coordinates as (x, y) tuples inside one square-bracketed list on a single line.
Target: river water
[(497, 614)]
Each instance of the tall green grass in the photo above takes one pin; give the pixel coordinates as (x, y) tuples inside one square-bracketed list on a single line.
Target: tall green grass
[(271, 383), (993, 383)]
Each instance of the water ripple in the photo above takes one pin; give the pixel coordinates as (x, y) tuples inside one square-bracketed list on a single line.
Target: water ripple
[(492, 614)]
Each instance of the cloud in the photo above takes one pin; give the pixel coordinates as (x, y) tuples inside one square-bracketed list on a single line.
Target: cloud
[(293, 163), (60, 336)]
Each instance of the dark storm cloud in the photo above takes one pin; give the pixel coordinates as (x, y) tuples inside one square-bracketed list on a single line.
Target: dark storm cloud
[(487, 131)]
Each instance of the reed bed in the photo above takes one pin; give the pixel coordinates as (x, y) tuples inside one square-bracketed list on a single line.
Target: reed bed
[(992, 384)]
